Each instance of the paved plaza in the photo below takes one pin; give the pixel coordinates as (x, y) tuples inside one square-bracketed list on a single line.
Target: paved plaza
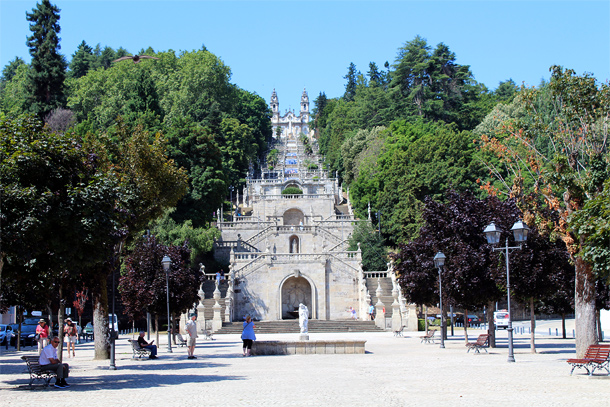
[(393, 372)]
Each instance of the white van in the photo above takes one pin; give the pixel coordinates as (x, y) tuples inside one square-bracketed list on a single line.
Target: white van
[(501, 319)]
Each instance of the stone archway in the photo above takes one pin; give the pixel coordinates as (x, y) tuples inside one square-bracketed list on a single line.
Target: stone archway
[(296, 290), (294, 217)]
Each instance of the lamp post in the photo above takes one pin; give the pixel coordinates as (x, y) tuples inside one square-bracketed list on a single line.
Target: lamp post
[(166, 262), (439, 262), (231, 199), (520, 231)]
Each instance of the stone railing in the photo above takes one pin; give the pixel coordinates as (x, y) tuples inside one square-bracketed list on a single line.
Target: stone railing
[(299, 196), (341, 246), (257, 238), (294, 228), (294, 257), (250, 267), (376, 274), (244, 256), (243, 224), (328, 235)]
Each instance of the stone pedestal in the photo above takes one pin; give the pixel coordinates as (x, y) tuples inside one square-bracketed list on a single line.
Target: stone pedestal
[(379, 308), (396, 317), (412, 318), (217, 320)]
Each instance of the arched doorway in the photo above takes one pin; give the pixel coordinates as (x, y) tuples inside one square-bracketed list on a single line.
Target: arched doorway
[(294, 244), (293, 217), (295, 290)]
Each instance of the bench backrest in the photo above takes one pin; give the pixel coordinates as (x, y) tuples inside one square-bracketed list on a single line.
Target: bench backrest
[(135, 344), (482, 339), (598, 352), (33, 362)]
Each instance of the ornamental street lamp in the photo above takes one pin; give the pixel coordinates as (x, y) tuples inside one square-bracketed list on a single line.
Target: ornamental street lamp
[(520, 231), (439, 262), (167, 262)]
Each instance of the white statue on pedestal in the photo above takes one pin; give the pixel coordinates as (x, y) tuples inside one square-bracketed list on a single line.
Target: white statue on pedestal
[(303, 317)]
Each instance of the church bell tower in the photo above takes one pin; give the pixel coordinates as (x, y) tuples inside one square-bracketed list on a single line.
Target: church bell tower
[(275, 105)]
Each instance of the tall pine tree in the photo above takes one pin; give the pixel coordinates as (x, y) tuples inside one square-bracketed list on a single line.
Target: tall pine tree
[(46, 78)]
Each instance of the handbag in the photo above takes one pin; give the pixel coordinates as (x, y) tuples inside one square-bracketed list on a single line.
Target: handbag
[(37, 337)]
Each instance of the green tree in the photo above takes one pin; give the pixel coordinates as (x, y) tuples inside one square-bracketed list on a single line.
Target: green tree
[(558, 165), (82, 61), (238, 149), (374, 257), (13, 92), (48, 67), (195, 150), (50, 183), (10, 69), (350, 86)]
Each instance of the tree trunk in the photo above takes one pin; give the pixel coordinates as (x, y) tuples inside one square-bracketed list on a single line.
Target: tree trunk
[(426, 319), (19, 320), (60, 324), (157, 329), (173, 330), (533, 325), (563, 324), (50, 316), (466, 325), (599, 326), (100, 320), (492, 325), (584, 307)]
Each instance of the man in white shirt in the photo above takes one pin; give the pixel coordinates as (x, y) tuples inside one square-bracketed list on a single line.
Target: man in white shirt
[(48, 361), (191, 328)]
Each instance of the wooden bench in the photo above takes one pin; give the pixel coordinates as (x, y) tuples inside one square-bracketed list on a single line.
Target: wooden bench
[(596, 357), (36, 373), (138, 350), (429, 337), (482, 342), (180, 341), (399, 332)]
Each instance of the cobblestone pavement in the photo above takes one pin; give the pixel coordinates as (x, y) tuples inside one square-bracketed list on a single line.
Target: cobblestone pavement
[(393, 372)]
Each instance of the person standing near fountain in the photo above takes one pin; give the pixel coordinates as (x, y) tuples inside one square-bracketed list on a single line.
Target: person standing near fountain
[(248, 335)]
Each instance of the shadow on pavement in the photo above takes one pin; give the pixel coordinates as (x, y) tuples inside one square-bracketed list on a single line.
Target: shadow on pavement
[(123, 381)]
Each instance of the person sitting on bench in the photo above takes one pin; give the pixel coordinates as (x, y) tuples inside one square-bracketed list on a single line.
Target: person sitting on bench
[(49, 361), (143, 344)]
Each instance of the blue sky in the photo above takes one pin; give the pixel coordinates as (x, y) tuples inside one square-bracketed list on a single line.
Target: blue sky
[(291, 45)]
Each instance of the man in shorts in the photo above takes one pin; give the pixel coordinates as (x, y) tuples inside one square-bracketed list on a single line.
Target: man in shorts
[(191, 328)]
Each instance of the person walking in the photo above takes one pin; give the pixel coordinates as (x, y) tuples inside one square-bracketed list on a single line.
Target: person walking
[(42, 330), (71, 334), (191, 328), (248, 335)]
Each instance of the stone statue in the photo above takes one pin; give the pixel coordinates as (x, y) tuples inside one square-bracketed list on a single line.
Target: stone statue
[(303, 317)]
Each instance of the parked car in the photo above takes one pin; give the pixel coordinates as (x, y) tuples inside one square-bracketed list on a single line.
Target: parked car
[(473, 320), (88, 329), (6, 334), (501, 319), (28, 332)]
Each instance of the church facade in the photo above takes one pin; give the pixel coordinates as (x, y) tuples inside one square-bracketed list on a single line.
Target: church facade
[(283, 250), (290, 124)]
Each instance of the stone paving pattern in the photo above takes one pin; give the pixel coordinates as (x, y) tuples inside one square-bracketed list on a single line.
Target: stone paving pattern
[(393, 372)]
